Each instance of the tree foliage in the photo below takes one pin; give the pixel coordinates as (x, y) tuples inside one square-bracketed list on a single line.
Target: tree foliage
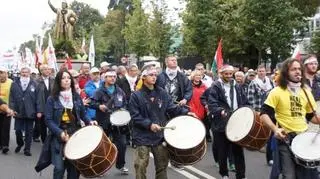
[(135, 31)]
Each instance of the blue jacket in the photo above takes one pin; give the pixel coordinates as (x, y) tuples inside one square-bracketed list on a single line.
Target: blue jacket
[(114, 101), (184, 84), (24, 102), (54, 111), (90, 89), (142, 116), (217, 102)]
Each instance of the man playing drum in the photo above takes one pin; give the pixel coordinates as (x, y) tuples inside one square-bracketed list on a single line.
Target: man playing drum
[(290, 104), (149, 107), (224, 97), (107, 99)]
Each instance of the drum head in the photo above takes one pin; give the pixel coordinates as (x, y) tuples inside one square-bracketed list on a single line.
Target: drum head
[(188, 133), (83, 142), (303, 146), (120, 118), (240, 124)]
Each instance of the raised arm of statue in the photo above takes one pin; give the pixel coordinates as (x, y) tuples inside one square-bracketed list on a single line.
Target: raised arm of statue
[(52, 7)]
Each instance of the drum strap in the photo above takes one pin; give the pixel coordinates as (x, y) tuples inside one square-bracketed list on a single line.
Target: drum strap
[(309, 102)]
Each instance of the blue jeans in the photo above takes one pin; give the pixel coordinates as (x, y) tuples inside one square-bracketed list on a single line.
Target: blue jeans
[(60, 165)]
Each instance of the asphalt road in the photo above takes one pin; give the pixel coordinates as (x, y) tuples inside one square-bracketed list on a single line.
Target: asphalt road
[(18, 166)]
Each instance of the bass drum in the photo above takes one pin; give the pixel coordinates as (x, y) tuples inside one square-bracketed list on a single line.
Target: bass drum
[(91, 151), (245, 128), (186, 143)]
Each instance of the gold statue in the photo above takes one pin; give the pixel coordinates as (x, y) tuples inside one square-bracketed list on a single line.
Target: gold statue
[(65, 21)]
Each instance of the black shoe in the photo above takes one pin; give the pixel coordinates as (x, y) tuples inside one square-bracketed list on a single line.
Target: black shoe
[(18, 148), (36, 140), (5, 150), (27, 153)]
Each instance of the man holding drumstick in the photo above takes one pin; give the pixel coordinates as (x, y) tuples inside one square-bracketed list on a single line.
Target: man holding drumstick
[(290, 103), (149, 107)]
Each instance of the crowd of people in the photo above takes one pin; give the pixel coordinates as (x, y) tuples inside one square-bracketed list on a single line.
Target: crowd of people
[(51, 107)]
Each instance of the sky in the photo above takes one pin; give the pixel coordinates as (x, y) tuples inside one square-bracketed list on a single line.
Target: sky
[(19, 19)]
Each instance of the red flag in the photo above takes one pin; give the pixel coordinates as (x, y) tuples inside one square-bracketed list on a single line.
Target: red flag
[(218, 56), (68, 63), (296, 53)]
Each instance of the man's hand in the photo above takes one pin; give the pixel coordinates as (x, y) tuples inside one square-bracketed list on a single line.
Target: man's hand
[(224, 114), (192, 114), (183, 102), (155, 128), (103, 107), (39, 115), (86, 101), (10, 112), (279, 133), (93, 123), (64, 136)]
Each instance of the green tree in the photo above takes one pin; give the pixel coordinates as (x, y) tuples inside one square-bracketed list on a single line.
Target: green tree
[(159, 31), (135, 31), (315, 43)]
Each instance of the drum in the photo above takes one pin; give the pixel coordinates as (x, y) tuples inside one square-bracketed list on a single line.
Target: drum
[(306, 149), (245, 128), (186, 143), (90, 151), (120, 121)]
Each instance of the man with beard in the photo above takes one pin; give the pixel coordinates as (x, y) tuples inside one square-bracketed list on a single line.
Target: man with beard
[(23, 96), (290, 103), (225, 96), (312, 80)]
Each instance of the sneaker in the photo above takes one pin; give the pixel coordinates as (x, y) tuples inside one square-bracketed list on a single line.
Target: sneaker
[(5, 150), (27, 153), (225, 177), (18, 148), (270, 163), (124, 171)]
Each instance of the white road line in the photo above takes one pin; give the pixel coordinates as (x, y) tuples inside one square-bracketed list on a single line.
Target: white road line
[(199, 172)]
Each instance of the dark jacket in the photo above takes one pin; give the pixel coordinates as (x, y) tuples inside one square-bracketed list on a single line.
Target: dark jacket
[(54, 111), (217, 102), (24, 102), (184, 84), (43, 93), (315, 89), (143, 116), (125, 86), (113, 102)]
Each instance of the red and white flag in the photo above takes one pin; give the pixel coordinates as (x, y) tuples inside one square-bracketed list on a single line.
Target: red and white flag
[(51, 56), (297, 52)]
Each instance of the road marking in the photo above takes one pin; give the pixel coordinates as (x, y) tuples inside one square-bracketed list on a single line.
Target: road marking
[(187, 174), (199, 172)]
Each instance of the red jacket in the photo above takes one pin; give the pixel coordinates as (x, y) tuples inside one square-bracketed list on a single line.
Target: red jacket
[(83, 80), (195, 103)]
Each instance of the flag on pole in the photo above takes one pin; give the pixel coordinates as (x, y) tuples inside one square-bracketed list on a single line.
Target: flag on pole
[(91, 52), (51, 56), (38, 54), (68, 63), (83, 45), (297, 52), (218, 59), (29, 60)]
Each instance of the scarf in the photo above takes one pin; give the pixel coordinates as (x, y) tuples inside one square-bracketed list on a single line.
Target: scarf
[(65, 99), (172, 73), (132, 81), (294, 88), (24, 82), (110, 90), (264, 85)]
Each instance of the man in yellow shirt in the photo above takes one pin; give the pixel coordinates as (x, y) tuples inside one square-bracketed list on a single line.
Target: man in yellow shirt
[(290, 106), (5, 121)]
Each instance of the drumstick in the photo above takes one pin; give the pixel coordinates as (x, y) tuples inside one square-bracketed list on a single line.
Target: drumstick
[(315, 137), (172, 127)]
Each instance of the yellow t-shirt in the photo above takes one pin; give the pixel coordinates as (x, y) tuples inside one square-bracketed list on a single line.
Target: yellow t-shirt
[(290, 110), (5, 90)]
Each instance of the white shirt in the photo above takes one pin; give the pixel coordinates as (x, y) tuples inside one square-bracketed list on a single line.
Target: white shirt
[(227, 87), (207, 81), (97, 84)]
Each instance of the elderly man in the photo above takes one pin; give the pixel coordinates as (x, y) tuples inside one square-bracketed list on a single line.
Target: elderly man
[(104, 66), (174, 82), (84, 76), (5, 121), (23, 96), (225, 96), (45, 86), (239, 77)]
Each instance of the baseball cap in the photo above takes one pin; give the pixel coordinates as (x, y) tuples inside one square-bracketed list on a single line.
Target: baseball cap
[(94, 70)]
